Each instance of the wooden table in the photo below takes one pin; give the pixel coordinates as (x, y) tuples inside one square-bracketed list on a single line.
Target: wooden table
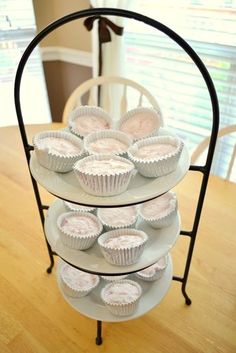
[(35, 318)]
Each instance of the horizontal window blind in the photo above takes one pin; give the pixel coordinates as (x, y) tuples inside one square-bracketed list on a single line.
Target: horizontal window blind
[(17, 29), (165, 69)]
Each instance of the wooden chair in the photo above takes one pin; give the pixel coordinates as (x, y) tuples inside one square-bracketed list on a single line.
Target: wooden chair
[(203, 145), (113, 106)]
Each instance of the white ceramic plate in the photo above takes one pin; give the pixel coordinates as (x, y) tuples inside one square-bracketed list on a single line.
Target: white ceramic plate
[(67, 187), (159, 243), (93, 307)]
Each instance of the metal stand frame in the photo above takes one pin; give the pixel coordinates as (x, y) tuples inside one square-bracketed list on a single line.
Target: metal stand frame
[(205, 170)]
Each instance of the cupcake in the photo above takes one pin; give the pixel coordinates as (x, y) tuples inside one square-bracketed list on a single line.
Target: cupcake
[(57, 150), (114, 278), (118, 217), (78, 208), (141, 122), (77, 283), (104, 175), (107, 141), (86, 119), (79, 230), (160, 212), (122, 297), (156, 156), (154, 272), (122, 247)]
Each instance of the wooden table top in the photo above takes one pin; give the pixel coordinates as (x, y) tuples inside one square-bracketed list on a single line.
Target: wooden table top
[(35, 318)]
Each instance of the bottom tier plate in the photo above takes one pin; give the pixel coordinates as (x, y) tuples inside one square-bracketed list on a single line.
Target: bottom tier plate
[(93, 307)]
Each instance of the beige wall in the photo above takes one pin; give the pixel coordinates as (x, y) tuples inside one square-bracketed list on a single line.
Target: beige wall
[(72, 35), (61, 79)]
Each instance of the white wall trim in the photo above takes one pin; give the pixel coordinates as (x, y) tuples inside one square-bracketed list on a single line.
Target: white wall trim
[(72, 56)]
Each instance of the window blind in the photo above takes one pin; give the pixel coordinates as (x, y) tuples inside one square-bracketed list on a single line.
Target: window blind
[(17, 29), (165, 69)]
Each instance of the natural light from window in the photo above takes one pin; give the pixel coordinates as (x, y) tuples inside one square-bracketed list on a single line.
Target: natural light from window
[(165, 69), (17, 29)]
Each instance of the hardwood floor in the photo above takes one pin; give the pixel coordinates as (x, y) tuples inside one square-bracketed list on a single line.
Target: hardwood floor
[(34, 318)]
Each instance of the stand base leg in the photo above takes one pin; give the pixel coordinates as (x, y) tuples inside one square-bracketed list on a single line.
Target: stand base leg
[(99, 333), (49, 269), (188, 301), (183, 288)]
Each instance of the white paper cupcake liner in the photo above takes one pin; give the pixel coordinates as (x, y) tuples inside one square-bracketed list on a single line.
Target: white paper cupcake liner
[(83, 111), (103, 184), (78, 242), (159, 272), (153, 111), (118, 135), (114, 278), (70, 206), (76, 293), (161, 221), (156, 167), (56, 162), (109, 227), (124, 309), (122, 256)]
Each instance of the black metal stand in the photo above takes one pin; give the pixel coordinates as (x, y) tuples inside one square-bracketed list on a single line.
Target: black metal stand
[(99, 333), (205, 170)]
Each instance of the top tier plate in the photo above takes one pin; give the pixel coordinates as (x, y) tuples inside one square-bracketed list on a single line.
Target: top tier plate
[(67, 187)]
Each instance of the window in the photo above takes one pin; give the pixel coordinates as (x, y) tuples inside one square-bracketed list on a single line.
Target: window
[(166, 70), (17, 29)]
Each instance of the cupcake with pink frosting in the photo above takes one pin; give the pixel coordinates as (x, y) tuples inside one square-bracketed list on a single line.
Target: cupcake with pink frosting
[(141, 122), (118, 217), (154, 272), (104, 174), (79, 230), (58, 150), (107, 141), (77, 283), (71, 206), (86, 119), (156, 156), (114, 278), (122, 247), (121, 297), (160, 212)]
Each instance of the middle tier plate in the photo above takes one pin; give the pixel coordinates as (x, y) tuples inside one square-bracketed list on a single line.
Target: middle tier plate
[(159, 243)]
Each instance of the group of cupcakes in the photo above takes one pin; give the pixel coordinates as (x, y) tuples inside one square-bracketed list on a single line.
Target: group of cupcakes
[(105, 159), (114, 228), (119, 294)]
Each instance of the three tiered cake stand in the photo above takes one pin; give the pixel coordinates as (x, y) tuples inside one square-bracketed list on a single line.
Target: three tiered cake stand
[(66, 187)]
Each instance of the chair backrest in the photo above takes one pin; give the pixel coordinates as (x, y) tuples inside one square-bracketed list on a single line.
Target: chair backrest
[(203, 145), (107, 102)]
